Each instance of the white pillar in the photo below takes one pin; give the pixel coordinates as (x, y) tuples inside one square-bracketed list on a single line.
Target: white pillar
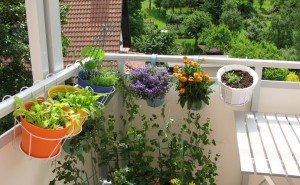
[(53, 29), (37, 38)]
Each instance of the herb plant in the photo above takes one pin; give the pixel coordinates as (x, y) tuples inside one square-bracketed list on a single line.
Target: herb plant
[(48, 114), (92, 70), (83, 99), (232, 78)]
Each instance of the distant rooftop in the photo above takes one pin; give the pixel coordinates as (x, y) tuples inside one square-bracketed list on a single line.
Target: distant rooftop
[(93, 23)]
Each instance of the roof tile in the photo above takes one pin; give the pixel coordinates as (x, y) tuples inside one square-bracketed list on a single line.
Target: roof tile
[(89, 21)]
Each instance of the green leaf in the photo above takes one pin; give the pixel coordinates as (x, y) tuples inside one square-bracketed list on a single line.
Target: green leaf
[(86, 50)]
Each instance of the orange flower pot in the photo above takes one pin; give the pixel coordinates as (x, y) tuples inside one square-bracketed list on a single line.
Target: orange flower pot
[(39, 142)]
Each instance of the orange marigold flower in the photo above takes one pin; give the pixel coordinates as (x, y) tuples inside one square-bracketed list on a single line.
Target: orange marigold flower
[(191, 62), (196, 64), (179, 75), (183, 79), (201, 74), (196, 75), (191, 79), (185, 57), (175, 74), (207, 78), (182, 91), (183, 73), (180, 85), (199, 79), (203, 59), (176, 67), (185, 61)]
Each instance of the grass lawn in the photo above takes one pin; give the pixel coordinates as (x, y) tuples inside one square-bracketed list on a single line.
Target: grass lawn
[(153, 15)]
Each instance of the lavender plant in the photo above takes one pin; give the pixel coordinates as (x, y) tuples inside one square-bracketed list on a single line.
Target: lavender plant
[(149, 82)]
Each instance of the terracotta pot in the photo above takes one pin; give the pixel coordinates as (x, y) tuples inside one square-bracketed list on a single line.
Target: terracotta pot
[(35, 139)]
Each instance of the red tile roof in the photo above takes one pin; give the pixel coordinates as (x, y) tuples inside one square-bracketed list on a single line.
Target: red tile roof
[(89, 21)]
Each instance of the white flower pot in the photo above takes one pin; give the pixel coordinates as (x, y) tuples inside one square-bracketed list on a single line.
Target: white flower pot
[(232, 95)]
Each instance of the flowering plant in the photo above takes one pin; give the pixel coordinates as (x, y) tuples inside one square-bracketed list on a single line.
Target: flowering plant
[(149, 82), (193, 85)]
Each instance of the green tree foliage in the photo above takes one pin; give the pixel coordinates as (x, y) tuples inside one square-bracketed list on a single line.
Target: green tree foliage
[(218, 37), (214, 8), (136, 20), (196, 23), (155, 41), (255, 29), (231, 16), (13, 30), (282, 23), (193, 4), (297, 31), (242, 47)]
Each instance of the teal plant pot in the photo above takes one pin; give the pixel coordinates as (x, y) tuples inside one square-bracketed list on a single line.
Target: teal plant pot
[(155, 102), (197, 106)]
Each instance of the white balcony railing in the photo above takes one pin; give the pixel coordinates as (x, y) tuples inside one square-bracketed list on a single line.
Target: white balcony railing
[(272, 96)]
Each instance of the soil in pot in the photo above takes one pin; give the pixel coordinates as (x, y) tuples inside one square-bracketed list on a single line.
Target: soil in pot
[(246, 80)]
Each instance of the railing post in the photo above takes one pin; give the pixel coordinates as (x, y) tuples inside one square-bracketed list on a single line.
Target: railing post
[(37, 38), (53, 30), (256, 93)]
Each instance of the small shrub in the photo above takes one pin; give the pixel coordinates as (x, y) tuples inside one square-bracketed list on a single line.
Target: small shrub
[(292, 77), (277, 74)]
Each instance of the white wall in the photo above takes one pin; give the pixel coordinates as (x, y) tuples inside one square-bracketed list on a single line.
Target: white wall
[(16, 168)]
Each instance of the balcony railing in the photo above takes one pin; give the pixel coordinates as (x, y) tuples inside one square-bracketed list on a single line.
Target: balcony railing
[(221, 114)]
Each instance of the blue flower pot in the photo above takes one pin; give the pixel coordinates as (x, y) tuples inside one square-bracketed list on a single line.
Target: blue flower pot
[(97, 89), (155, 102)]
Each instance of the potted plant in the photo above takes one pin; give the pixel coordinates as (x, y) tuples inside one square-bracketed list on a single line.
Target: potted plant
[(93, 74), (44, 125), (81, 101), (236, 83), (193, 85), (150, 83)]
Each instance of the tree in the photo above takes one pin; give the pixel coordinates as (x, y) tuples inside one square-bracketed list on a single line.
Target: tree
[(297, 31), (136, 20), (193, 4), (231, 16), (255, 29), (261, 2), (283, 21), (155, 41), (218, 37), (242, 47), (196, 23), (214, 8)]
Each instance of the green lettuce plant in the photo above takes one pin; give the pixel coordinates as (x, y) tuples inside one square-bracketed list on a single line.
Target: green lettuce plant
[(48, 114)]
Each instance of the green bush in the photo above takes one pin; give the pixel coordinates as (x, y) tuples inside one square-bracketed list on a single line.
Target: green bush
[(278, 74)]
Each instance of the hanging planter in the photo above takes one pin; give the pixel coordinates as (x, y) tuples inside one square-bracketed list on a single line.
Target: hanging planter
[(44, 126), (106, 90), (193, 84), (93, 74), (237, 83), (150, 83), (156, 102), (77, 101), (41, 143)]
